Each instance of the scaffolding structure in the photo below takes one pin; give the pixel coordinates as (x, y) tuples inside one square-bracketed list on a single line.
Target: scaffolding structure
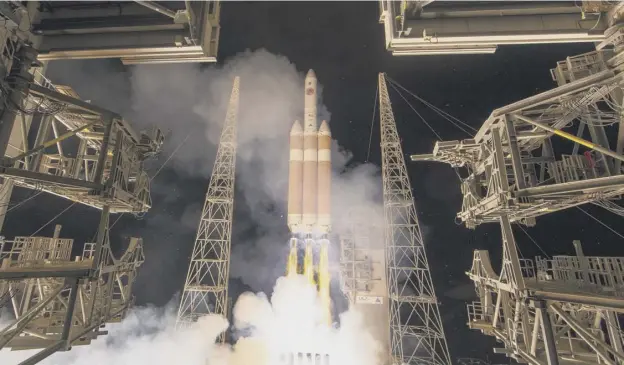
[(514, 167), (59, 302), (136, 32), (564, 310), (427, 27), (416, 332), (106, 167), (51, 141), (356, 261), (206, 285)]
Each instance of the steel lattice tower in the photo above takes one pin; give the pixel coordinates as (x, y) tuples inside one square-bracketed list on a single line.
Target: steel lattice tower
[(206, 286), (416, 333)]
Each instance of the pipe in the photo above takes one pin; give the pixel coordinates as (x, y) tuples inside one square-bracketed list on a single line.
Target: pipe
[(571, 137), (558, 92), (157, 8)]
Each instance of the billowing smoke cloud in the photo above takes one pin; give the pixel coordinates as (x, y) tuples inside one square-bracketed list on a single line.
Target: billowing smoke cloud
[(189, 103), (148, 336)]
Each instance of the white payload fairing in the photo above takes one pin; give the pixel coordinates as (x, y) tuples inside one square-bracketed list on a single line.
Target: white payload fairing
[(309, 178)]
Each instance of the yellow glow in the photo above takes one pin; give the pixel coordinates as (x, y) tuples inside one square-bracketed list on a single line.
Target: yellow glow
[(292, 260), (324, 282), (309, 267), (308, 264)]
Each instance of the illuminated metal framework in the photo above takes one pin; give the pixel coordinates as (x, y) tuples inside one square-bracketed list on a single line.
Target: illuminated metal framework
[(566, 309), (416, 27), (513, 167), (416, 333), (356, 265), (206, 286), (361, 257), (59, 302), (136, 32), (108, 165)]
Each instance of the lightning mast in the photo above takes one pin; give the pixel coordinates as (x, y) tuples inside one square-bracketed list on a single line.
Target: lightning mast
[(205, 289), (416, 333)]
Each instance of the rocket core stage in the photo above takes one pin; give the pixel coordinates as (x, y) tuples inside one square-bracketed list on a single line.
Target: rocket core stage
[(309, 186)]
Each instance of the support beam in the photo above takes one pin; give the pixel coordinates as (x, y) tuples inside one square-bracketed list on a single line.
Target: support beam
[(570, 137), (158, 8), (547, 333)]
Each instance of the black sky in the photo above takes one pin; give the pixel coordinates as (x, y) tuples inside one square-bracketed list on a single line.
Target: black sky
[(343, 43)]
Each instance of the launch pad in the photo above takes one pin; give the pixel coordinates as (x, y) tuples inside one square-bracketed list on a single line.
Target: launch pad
[(304, 358)]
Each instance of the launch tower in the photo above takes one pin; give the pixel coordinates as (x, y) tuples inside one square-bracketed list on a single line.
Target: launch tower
[(416, 333), (564, 309), (206, 286)]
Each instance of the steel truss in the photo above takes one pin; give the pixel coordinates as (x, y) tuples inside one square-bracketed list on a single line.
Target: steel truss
[(206, 286), (107, 163), (416, 333), (356, 262), (513, 166), (566, 310), (59, 302)]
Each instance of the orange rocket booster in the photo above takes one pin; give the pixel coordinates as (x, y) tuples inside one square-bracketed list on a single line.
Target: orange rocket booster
[(309, 177)]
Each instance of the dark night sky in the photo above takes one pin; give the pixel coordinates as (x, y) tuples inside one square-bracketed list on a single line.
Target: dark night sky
[(343, 43)]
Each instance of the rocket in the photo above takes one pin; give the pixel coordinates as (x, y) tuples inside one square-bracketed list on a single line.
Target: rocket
[(309, 195), (309, 176)]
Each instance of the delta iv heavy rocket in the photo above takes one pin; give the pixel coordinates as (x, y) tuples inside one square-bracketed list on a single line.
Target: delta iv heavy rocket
[(309, 198)]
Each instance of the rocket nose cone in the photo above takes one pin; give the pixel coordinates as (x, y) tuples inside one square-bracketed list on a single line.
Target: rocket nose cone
[(324, 126), (311, 74), (296, 128), (324, 129)]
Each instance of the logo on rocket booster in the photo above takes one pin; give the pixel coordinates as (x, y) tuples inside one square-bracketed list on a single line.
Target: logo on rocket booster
[(309, 91)]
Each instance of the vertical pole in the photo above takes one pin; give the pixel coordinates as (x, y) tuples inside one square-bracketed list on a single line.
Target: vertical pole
[(42, 135), (582, 261), (547, 333), (57, 231), (516, 161), (25, 57), (101, 238), (71, 304), (82, 150), (6, 190), (99, 171)]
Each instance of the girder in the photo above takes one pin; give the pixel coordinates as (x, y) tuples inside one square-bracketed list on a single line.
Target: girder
[(416, 332), (59, 302), (516, 164), (206, 286)]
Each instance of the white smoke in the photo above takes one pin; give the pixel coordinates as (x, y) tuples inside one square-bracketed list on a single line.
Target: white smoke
[(189, 102), (288, 321)]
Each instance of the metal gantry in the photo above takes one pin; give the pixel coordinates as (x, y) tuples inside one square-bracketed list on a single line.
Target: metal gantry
[(59, 302), (566, 309), (106, 167), (515, 169), (206, 286), (563, 310), (427, 27), (356, 261), (416, 333)]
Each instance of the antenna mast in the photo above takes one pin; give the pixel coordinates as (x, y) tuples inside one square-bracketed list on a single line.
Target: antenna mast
[(416, 333), (206, 286)]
